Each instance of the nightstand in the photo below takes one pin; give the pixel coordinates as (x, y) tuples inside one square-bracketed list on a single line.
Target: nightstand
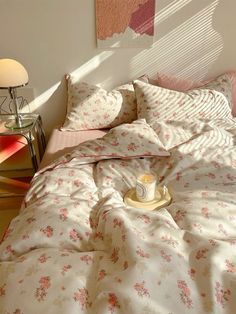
[(30, 136), (12, 191)]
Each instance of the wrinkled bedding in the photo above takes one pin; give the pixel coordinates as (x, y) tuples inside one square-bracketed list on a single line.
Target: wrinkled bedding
[(77, 248)]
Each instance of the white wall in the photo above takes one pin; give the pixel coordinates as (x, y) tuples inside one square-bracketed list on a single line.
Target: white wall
[(193, 39)]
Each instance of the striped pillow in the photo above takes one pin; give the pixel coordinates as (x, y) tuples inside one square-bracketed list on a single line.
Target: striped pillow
[(225, 83), (155, 103)]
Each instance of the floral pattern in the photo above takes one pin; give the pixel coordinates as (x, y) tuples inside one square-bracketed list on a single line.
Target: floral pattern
[(92, 107), (76, 248), (225, 83), (131, 140), (212, 101)]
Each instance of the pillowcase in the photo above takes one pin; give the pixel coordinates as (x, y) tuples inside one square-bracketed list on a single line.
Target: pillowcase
[(92, 107), (175, 83), (225, 83), (155, 103)]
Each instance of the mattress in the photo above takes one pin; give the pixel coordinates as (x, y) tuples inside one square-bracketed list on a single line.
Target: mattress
[(62, 142)]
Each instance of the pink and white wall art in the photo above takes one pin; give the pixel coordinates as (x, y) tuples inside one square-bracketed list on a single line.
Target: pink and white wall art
[(125, 23)]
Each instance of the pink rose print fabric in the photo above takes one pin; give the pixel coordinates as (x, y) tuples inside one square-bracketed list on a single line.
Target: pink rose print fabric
[(154, 103), (224, 83), (131, 140), (75, 247), (92, 107)]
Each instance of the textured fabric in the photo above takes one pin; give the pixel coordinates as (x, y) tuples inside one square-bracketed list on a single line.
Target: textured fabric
[(173, 82), (92, 107), (173, 133), (227, 80), (222, 84), (157, 103), (61, 143), (136, 139), (232, 75), (76, 248)]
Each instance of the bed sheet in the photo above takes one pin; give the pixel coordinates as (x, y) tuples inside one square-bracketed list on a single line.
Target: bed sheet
[(76, 247)]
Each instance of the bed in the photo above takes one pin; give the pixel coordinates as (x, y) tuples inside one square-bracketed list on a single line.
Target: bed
[(76, 247)]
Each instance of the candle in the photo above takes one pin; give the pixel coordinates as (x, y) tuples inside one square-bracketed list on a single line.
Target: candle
[(146, 187)]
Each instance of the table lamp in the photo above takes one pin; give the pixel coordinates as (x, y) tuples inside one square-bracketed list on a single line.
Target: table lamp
[(12, 76)]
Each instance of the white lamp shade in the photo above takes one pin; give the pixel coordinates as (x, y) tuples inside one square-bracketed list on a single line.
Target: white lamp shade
[(12, 74)]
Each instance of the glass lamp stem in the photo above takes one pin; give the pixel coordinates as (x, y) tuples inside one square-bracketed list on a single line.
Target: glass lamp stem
[(19, 122), (12, 92)]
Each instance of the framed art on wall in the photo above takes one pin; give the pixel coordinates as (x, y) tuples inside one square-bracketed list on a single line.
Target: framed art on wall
[(125, 23)]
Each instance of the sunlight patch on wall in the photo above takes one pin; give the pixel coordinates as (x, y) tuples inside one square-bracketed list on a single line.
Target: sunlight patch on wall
[(197, 71), (79, 73), (189, 50), (170, 9), (44, 97), (92, 64)]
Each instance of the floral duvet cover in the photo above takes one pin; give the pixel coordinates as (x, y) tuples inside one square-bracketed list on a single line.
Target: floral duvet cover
[(76, 247)]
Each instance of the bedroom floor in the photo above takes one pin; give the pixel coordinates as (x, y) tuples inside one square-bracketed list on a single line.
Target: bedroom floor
[(12, 192)]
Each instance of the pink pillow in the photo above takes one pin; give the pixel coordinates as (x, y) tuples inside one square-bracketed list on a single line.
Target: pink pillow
[(174, 83), (182, 85)]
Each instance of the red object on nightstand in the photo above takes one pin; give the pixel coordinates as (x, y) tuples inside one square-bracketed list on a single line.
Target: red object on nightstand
[(9, 145)]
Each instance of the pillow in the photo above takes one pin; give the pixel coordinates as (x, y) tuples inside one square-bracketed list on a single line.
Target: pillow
[(226, 82), (92, 107), (175, 83), (155, 103), (232, 76)]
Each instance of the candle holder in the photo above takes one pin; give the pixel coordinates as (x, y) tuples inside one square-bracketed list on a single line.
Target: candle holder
[(162, 198)]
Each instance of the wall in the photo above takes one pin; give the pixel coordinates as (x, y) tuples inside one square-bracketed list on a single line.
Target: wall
[(193, 39)]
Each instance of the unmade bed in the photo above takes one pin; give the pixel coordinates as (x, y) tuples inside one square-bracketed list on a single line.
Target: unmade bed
[(76, 247)]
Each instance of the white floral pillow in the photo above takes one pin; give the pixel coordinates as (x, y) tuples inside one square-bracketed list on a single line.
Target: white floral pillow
[(155, 103), (92, 107)]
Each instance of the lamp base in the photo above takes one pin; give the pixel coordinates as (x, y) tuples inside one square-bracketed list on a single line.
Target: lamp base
[(22, 123)]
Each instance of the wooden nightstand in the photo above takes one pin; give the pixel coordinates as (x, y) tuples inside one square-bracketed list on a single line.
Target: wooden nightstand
[(31, 136)]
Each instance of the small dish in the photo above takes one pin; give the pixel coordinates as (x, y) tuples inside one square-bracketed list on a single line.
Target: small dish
[(163, 198)]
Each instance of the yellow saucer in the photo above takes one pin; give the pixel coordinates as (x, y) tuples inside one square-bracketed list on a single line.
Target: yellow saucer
[(163, 198)]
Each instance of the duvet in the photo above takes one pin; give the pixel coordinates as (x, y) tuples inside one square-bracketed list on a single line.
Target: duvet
[(75, 247)]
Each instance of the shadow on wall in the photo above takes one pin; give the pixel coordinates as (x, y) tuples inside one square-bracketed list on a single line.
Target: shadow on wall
[(224, 23), (189, 48), (188, 43)]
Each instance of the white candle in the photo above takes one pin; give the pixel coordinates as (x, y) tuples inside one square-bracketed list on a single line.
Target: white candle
[(146, 187)]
